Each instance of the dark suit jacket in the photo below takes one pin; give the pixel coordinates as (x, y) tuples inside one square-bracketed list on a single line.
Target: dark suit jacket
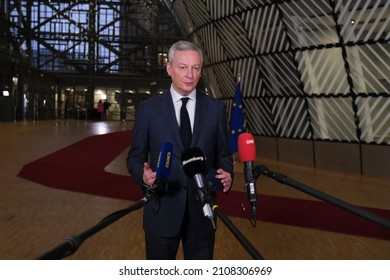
[(156, 124)]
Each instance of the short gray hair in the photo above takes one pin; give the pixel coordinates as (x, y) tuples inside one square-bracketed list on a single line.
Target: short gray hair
[(183, 46)]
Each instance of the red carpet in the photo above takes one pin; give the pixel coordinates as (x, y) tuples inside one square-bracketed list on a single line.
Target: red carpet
[(80, 168)]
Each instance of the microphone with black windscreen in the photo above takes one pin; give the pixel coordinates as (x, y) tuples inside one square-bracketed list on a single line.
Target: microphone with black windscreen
[(163, 170), (194, 166), (247, 153)]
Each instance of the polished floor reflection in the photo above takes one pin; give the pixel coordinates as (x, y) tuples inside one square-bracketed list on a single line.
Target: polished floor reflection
[(35, 218)]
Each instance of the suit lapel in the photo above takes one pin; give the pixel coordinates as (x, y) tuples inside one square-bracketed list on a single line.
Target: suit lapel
[(200, 116), (168, 113)]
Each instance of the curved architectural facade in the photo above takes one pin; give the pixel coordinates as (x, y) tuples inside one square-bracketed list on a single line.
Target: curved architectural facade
[(314, 75), (314, 70)]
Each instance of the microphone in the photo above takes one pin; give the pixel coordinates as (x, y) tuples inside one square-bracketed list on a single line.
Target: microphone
[(194, 166), (163, 170), (247, 153), (164, 162)]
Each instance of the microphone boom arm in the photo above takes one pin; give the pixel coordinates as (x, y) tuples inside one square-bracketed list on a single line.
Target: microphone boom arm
[(204, 196), (73, 243), (233, 229), (322, 196)]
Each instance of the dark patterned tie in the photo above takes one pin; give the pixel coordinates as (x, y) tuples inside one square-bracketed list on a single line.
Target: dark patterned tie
[(185, 125)]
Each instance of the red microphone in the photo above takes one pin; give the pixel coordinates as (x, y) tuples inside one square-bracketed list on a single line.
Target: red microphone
[(247, 153), (246, 147)]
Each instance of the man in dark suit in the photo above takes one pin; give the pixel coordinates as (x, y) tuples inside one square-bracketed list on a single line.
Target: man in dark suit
[(180, 216)]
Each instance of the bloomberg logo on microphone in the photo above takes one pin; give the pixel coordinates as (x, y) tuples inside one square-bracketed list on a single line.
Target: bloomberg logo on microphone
[(192, 159)]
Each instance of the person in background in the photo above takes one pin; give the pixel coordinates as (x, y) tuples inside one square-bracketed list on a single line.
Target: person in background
[(180, 216), (100, 110), (106, 106)]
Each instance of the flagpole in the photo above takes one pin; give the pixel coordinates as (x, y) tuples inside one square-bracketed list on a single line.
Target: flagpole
[(235, 158), (239, 81)]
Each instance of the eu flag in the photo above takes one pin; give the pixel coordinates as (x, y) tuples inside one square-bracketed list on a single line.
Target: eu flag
[(236, 124)]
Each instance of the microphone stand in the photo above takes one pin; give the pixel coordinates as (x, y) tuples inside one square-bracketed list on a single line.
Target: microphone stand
[(233, 229), (241, 238), (206, 206), (72, 243), (322, 196)]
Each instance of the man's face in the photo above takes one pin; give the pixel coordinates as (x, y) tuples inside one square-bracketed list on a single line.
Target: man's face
[(185, 71)]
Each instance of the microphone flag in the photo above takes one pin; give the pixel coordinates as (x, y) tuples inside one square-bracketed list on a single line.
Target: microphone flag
[(236, 123)]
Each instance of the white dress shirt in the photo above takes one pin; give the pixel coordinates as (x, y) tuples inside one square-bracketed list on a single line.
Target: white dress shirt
[(176, 97)]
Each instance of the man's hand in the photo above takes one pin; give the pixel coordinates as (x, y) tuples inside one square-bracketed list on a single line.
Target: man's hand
[(226, 179), (149, 176)]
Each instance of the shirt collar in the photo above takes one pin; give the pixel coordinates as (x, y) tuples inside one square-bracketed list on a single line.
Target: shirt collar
[(176, 96)]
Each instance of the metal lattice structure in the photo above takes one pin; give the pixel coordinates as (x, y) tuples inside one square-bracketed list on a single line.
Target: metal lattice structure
[(88, 36), (58, 58), (316, 70)]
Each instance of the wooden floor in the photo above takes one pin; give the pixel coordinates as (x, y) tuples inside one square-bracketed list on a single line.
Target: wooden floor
[(36, 218)]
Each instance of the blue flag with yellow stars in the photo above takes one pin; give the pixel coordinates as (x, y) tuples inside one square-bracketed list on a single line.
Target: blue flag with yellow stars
[(236, 124)]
